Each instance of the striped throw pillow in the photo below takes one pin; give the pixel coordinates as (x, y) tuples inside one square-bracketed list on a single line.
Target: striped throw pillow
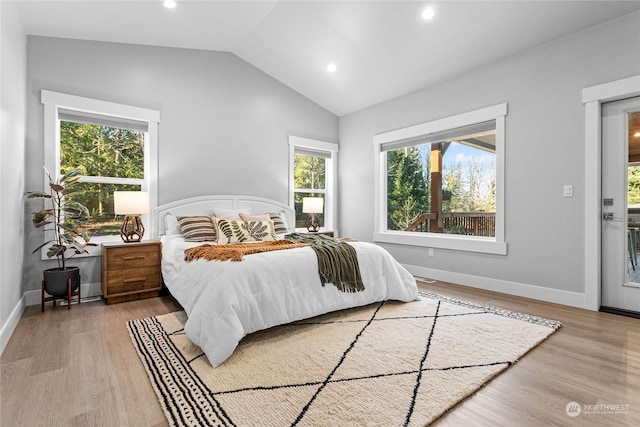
[(197, 228), (279, 222)]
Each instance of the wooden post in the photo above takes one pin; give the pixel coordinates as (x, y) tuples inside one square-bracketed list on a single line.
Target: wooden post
[(436, 186)]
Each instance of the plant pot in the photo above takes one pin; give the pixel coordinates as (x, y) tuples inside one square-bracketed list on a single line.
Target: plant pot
[(55, 280)]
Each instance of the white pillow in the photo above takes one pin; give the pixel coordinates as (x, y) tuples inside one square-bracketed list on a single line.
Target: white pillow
[(263, 217), (171, 225), (231, 213)]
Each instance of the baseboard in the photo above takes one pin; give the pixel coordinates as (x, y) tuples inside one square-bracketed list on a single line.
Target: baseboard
[(573, 299), (11, 323), (88, 290)]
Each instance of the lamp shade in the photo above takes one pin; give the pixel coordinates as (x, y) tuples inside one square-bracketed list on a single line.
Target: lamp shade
[(130, 202), (312, 204)]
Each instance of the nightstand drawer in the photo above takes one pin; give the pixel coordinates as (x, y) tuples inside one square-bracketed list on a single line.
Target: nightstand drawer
[(133, 279), (129, 257)]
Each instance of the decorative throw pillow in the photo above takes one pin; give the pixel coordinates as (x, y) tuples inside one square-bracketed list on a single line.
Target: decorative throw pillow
[(197, 228), (264, 217), (260, 231), (234, 231), (279, 222)]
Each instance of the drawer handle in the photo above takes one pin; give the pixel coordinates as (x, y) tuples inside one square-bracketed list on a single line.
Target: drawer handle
[(131, 258), (135, 280)]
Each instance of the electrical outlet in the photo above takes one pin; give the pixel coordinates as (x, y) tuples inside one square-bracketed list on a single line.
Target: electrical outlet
[(431, 251)]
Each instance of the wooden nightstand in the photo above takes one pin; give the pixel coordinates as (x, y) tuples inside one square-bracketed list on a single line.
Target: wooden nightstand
[(130, 271)]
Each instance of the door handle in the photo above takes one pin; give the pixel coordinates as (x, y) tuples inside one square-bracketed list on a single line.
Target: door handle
[(608, 216)]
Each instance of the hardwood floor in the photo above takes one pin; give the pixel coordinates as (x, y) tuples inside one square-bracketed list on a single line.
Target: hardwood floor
[(78, 367), (593, 359)]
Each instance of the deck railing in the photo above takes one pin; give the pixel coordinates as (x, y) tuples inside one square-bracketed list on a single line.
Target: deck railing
[(469, 223)]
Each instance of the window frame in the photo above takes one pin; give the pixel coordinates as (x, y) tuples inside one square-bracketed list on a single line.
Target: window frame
[(331, 168), (492, 245), (55, 101)]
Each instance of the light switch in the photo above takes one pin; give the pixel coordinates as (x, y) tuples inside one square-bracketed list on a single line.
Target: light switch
[(568, 191)]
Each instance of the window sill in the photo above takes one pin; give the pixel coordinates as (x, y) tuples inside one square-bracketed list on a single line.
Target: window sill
[(443, 241)]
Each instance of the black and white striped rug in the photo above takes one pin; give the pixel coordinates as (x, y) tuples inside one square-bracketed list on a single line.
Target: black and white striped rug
[(380, 365)]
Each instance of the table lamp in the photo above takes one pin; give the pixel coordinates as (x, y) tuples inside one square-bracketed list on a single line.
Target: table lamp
[(312, 206), (131, 204)]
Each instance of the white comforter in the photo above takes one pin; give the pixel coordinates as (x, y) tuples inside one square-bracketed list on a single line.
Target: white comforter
[(225, 300)]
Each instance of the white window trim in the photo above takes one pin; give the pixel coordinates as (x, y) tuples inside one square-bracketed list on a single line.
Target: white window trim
[(492, 245), (53, 101), (330, 199)]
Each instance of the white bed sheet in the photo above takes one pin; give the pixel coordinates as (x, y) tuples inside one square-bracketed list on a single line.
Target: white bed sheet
[(225, 300)]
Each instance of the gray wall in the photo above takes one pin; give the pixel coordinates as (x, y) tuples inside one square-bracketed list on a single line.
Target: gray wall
[(13, 67), (223, 129), (544, 150)]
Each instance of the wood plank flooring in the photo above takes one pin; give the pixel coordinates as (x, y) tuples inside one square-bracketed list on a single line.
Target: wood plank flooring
[(78, 368), (594, 358)]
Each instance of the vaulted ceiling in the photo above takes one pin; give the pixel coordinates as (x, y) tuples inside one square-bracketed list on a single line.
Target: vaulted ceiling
[(381, 49)]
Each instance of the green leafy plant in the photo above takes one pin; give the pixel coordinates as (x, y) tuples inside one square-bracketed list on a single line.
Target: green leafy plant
[(62, 217)]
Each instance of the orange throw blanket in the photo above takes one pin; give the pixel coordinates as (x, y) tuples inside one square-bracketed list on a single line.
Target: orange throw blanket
[(237, 251)]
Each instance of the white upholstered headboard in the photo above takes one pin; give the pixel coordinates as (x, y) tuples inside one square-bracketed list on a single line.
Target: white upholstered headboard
[(204, 205)]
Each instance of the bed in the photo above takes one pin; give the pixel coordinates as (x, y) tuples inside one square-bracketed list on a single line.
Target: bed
[(226, 300)]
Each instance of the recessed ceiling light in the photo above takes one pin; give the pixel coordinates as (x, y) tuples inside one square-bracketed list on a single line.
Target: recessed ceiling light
[(428, 13), (169, 4), (637, 134), (331, 67)]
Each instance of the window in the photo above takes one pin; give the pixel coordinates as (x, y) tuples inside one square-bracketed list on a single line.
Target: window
[(115, 147), (313, 174), (440, 184)]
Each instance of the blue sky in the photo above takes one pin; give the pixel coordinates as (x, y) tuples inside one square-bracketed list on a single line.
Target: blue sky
[(460, 153), (463, 154)]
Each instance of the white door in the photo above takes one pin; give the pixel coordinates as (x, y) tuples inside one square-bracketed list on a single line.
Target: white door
[(620, 271)]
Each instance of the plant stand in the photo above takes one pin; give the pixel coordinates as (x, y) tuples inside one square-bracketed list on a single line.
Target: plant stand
[(67, 297)]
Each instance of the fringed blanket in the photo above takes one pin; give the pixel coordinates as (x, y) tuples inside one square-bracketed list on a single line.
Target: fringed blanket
[(237, 251), (337, 261)]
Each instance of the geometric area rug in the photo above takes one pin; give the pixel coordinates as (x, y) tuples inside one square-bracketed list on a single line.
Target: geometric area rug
[(384, 364)]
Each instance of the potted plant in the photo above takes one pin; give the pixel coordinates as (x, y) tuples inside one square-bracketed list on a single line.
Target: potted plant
[(64, 218)]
